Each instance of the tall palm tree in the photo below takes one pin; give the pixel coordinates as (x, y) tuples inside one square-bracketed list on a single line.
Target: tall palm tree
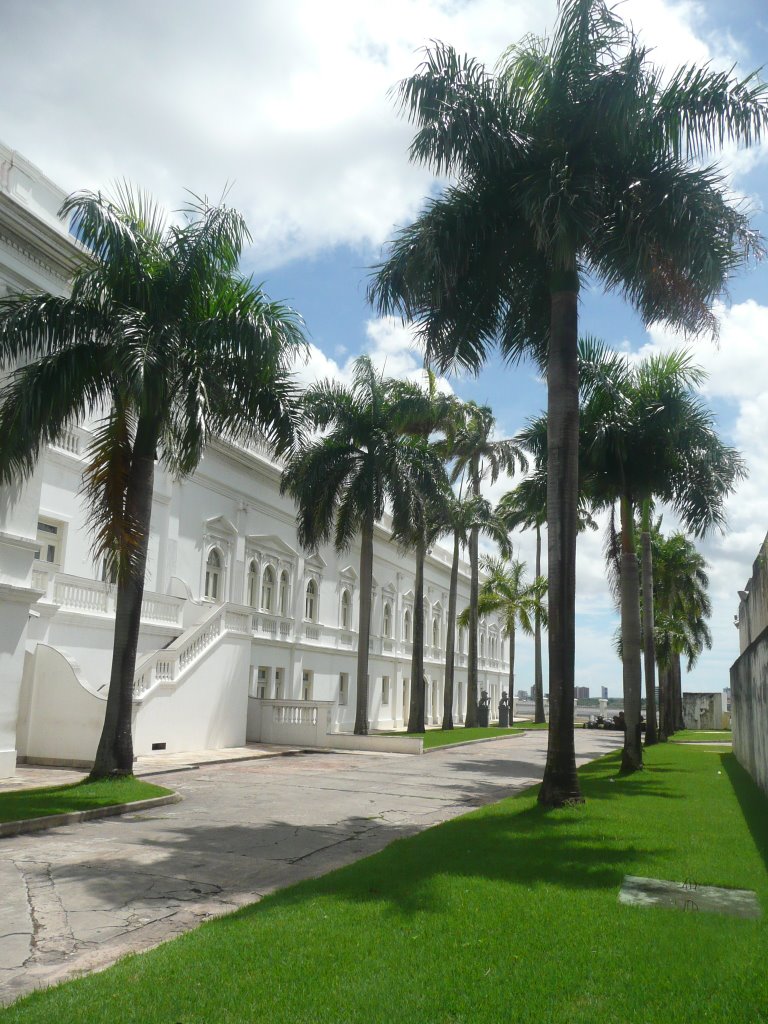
[(526, 507), (168, 346), (343, 480), (571, 160), (646, 434), (464, 516), (682, 608), (506, 590), (477, 455)]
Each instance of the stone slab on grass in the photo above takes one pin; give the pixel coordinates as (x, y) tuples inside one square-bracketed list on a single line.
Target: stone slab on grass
[(658, 892)]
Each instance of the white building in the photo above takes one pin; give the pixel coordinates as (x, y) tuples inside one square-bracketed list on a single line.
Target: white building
[(242, 632)]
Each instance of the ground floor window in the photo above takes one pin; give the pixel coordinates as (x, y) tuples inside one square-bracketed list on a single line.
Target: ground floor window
[(385, 690), (343, 687), (306, 685), (278, 684)]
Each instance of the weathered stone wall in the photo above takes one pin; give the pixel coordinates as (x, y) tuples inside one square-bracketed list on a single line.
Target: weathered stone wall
[(749, 675), (703, 711)]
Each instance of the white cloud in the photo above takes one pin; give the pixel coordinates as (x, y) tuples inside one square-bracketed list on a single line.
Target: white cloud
[(286, 100)]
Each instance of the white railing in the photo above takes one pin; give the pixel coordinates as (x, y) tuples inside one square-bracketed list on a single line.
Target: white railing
[(69, 441), (295, 714), (80, 594), (275, 627), (346, 639), (162, 608), (40, 580), (312, 632)]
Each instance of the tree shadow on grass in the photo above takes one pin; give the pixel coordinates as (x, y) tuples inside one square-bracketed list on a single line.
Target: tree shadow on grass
[(752, 801)]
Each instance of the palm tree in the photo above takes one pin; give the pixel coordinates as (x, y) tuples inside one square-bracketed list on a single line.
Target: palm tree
[(168, 346), (526, 507), (464, 516), (647, 435), (477, 455), (571, 160), (682, 608), (506, 591), (343, 480)]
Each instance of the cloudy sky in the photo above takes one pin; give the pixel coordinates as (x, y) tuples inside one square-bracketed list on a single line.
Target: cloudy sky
[(286, 104)]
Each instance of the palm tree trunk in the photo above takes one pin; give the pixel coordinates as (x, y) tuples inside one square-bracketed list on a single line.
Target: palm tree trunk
[(450, 638), (677, 690), (474, 589), (364, 628), (649, 646), (632, 755), (663, 704), (538, 675), (114, 755), (511, 662), (561, 784), (416, 711)]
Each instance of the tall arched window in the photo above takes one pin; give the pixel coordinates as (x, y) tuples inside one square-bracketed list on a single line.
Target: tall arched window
[(253, 583), (435, 632), (283, 597), (407, 625), (310, 601), (346, 609), (268, 590), (213, 574), (482, 645), (387, 620)]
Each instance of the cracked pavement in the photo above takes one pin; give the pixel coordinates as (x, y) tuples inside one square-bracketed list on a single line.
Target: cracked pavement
[(76, 898)]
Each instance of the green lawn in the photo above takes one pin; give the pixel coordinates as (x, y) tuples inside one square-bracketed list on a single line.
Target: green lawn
[(694, 736), (79, 796), (508, 914), (460, 734)]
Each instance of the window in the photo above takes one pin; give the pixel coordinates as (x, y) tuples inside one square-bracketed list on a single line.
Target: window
[(385, 689), (253, 582), (482, 645), (346, 608), (283, 593), (462, 640), (435, 632), (278, 684), (262, 678), (343, 687), (49, 538), (306, 685), (407, 625), (310, 601), (213, 574), (387, 620), (268, 589)]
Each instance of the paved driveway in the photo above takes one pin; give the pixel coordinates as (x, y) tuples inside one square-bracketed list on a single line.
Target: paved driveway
[(76, 898)]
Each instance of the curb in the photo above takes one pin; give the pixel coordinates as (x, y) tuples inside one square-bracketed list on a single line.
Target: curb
[(193, 767), (482, 739), (17, 828)]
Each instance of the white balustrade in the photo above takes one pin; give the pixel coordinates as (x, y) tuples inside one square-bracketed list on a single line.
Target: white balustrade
[(82, 595), (295, 714), (69, 441), (312, 632), (161, 608)]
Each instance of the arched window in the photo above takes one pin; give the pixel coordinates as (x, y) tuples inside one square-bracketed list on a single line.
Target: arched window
[(346, 609), (213, 574), (435, 632), (283, 597), (268, 590), (387, 620), (407, 625), (482, 645), (253, 583), (310, 601)]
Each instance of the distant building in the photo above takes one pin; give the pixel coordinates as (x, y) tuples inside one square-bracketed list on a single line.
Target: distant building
[(523, 695), (604, 692), (582, 693)]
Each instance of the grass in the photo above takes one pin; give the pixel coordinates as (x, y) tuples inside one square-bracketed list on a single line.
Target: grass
[(460, 734), (19, 804), (696, 736), (506, 914)]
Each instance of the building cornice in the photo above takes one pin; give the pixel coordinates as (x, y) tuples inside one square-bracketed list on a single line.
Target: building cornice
[(38, 243)]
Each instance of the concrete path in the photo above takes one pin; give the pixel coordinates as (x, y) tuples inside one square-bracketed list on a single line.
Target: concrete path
[(76, 898)]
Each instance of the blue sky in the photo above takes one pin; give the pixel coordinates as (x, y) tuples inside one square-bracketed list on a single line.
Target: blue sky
[(287, 103)]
